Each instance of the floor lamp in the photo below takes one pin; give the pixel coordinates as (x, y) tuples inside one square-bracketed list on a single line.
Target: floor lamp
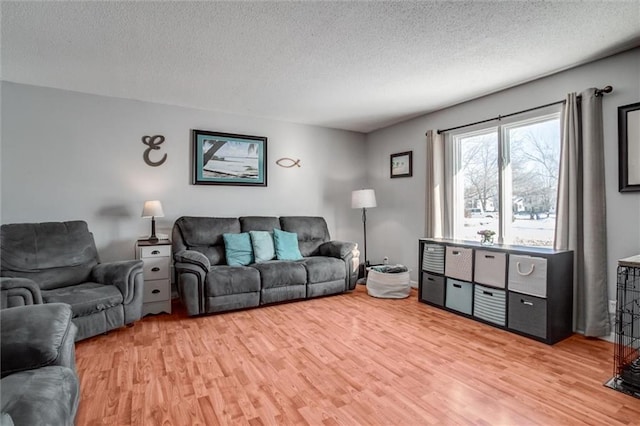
[(364, 199)]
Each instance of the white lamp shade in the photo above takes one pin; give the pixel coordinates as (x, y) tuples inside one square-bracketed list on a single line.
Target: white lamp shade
[(363, 199), (152, 209)]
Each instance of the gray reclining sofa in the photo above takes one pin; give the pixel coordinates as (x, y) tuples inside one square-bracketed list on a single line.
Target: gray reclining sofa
[(206, 284), (39, 384)]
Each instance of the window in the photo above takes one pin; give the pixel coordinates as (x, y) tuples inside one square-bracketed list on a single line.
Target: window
[(506, 180)]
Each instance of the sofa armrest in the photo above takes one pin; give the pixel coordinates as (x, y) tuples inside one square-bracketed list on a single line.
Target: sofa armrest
[(36, 336), (122, 274), (191, 268), (338, 249), (19, 292), (349, 253), (194, 258)]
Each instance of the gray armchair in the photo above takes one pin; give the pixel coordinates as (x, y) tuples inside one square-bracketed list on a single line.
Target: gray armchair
[(39, 384), (57, 262)]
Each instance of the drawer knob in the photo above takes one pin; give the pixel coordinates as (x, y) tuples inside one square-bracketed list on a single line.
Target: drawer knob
[(489, 256), (457, 285), (156, 291), (455, 253), (155, 269), (526, 302), (430, 279), (488, 293), (525, 273), (155, 252)]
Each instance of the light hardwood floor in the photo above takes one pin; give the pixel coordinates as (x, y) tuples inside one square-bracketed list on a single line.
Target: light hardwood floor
[(348, 359)]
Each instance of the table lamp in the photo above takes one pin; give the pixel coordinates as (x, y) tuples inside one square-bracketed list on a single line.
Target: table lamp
[(152, 209)]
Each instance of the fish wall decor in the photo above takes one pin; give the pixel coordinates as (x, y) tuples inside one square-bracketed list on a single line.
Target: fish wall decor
[(287, 162)]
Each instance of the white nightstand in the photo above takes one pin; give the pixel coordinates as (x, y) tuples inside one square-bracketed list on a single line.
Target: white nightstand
[(157, 282)]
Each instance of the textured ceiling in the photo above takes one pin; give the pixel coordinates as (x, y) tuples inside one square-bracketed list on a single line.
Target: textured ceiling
[(349, 65)]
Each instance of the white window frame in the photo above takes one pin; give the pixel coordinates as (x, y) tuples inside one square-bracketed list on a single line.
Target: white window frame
[(505, 191)]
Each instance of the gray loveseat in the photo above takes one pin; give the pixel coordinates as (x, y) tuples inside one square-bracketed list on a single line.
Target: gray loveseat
[(39, 384), (206, 284), (58, 262)]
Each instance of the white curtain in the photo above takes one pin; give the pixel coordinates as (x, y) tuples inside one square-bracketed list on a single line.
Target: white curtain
[(438, 198), (581, 210)]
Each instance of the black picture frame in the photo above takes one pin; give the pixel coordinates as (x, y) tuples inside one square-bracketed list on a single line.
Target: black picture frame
[(401, 164), (242, 159), (629, 148)]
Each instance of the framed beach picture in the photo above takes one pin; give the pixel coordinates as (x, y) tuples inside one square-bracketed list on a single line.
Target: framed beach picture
[(401, 164), (228, 159)]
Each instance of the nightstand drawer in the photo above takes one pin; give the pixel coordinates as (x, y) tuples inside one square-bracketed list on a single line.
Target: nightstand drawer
[(156, 290), (156, 269), (155, 251)]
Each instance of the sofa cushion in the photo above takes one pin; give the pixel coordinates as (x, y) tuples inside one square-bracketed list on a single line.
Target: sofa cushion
[(278, 273), (204, 234), (312, 232), (44, 396), (51, 253), (224, 280), (321, 269), (238, 249), (262, 243), (85, 299), (286, 245), (259, 223)]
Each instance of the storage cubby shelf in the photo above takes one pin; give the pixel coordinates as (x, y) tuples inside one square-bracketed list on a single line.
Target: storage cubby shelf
[(525, 290)]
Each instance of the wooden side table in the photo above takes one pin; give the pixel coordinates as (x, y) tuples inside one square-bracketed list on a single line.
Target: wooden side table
[(157, 282)]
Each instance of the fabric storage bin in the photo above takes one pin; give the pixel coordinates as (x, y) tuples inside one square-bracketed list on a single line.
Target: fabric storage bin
[(458, 263), (528, 275), (490, 304), (432, 289), (490, 268), (528, 314), (459, 296), (433, 258), (388, 285)]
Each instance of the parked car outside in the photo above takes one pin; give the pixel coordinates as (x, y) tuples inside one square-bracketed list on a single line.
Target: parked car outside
[(479, 213)]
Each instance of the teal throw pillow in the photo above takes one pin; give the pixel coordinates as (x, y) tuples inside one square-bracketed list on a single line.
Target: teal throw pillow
[(286, 245), (263, 248), (237, 248)]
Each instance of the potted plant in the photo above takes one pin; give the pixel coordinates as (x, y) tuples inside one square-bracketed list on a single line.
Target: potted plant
[(486, 237)]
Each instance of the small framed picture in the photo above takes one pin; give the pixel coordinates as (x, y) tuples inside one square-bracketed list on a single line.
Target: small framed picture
[(402, 164), (629, 148), (228, 159)]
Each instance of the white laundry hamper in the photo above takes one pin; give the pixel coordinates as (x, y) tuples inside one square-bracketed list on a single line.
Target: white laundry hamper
[(388, 285)]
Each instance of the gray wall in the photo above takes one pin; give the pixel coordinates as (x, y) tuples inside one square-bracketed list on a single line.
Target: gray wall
[(396, 224), (68, 155)]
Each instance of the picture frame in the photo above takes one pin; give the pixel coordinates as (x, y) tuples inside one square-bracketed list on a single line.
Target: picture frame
[(401, 164), (228, 159), (629, 148)]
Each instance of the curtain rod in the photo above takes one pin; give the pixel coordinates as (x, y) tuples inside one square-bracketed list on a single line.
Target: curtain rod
[(599, 92)]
